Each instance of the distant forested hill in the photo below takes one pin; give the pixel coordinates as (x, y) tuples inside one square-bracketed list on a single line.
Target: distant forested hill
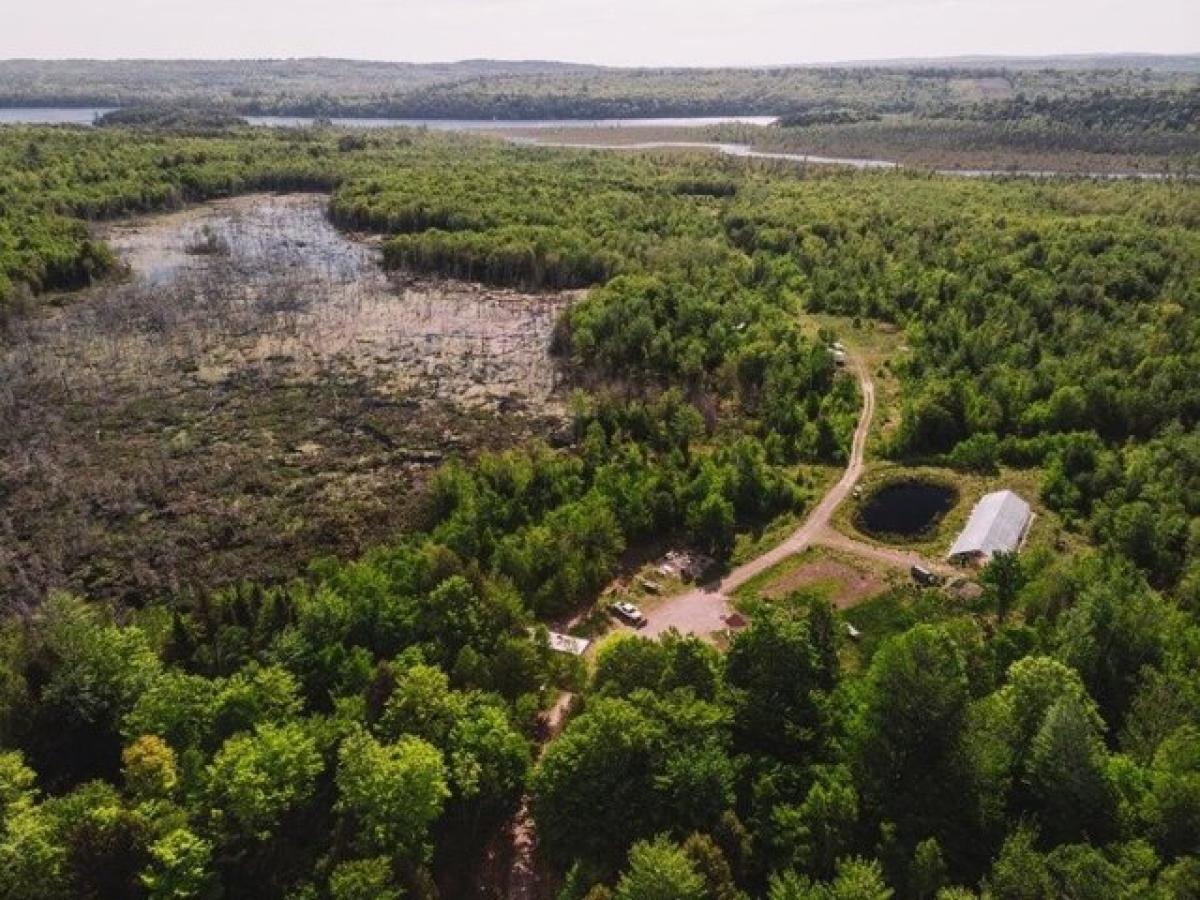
[(538, 89), (241, 82), (1159, 62)]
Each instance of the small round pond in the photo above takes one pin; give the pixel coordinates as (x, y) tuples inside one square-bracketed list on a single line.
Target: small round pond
[(905, 509)]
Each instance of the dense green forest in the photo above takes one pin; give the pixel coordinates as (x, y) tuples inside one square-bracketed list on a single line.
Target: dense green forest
[(1086, 114), (362, 729), (1101, 111), (177, 118)]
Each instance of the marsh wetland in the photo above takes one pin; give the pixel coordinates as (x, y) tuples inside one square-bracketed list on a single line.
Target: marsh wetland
[(253, 363)]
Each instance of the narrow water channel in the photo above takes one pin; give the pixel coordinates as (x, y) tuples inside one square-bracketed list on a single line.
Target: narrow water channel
[(745, 151)]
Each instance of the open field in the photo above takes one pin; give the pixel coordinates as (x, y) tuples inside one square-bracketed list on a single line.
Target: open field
[(947, 144), (257, 393), (841, 578), (877, 344)]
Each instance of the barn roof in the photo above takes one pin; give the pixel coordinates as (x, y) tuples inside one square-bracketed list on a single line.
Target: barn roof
[(997, 523)]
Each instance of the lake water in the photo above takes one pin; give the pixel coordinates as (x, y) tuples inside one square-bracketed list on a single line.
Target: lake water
[(50, 115), (87, 115)]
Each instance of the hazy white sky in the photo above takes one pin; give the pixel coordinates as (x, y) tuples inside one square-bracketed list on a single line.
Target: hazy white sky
[(618, 32)]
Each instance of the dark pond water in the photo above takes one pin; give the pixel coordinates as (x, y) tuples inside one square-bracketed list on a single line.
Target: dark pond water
[(907, 509)]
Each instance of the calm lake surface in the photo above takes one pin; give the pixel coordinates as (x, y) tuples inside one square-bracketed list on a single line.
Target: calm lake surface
[(906, 509), (50, 115), (87, 115)]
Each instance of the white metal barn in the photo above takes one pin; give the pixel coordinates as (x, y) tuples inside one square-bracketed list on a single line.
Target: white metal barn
[(997, 524)]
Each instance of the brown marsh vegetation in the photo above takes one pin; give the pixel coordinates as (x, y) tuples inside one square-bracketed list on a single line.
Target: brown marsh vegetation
[(254, 394)]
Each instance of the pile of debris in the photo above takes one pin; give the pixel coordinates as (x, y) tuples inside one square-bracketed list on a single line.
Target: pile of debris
[(687, 565)]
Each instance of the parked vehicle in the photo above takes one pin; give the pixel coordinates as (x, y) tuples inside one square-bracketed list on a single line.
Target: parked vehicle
[(628, 613), (923, 576)]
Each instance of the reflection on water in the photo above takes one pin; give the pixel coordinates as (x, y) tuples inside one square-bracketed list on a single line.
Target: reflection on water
[(50, 115), (87, 115), (906, 509), (266, 282)]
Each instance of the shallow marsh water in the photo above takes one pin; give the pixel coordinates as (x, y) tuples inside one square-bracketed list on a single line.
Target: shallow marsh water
[(302, 297), (254, 394)]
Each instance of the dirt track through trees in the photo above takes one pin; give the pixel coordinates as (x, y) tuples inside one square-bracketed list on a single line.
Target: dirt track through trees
[(703, 610)]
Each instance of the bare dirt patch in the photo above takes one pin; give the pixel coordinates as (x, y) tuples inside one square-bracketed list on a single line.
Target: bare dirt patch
[(844, 583), (995, 87), (255, 394)]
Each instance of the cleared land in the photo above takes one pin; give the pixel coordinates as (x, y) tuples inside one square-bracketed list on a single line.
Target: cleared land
[(844, 579), (955, 144), (1046, 530), (704, 609)]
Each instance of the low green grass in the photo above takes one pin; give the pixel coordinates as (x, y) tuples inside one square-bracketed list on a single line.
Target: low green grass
[(752, 588), (877, 344), (894, 612)]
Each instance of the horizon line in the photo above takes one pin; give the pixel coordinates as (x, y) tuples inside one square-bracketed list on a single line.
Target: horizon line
[(865, 62)]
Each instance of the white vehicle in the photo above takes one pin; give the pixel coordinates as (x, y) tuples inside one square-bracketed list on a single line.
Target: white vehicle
[(628, 613)]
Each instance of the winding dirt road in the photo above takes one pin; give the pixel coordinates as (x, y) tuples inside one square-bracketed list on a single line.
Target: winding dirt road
[(526, 880), (703, 609)]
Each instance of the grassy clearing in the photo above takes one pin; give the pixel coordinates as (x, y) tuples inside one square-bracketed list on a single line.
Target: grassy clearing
[(877, 344), (890, 613), (876, 600), (839, 578), (1046, 531), (952, 143)]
